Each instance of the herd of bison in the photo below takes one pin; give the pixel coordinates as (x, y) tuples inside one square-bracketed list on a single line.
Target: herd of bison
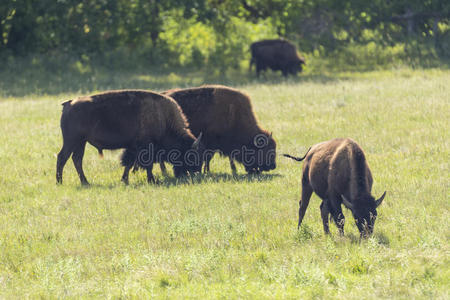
[(186, 127)]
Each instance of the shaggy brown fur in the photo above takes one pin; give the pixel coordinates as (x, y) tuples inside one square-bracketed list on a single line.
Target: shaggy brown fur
[(338, 173), (132, 119), (228, 123), (276, 55)]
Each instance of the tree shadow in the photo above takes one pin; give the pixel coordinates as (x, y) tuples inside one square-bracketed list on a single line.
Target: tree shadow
[(27, 77), (72, 74), (315, 78)]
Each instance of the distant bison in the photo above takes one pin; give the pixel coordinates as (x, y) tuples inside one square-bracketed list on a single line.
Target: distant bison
[(337, 172), (141, 121), (276, 55), (226, 119)]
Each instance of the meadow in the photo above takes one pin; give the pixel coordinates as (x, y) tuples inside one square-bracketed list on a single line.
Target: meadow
[(219, 236)]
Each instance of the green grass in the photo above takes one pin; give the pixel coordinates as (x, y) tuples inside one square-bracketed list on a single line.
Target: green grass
[(216, 236)]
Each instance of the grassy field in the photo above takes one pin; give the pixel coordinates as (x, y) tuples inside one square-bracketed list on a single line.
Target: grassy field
[(217, 236)]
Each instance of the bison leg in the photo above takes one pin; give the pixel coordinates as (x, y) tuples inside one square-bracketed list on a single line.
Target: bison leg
[(336, 212), (258, 70), (252, 61), (324, 212), (208, 159), (206, 167), (126, 172), (233, 166), (162, 165), (150, 178), (63, 156), (77, 158), (253, 171), (304, 201)]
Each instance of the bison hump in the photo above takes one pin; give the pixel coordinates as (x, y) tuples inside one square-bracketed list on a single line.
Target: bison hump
[(66, 102)]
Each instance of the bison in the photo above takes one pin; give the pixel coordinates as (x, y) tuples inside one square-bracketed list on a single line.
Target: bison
[(277, 55), (226, 119), (338, 173), (145, 123)]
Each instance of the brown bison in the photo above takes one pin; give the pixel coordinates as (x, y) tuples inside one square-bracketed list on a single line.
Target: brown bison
[(150, 125), (338, 173), (276, 55), (226, 119)]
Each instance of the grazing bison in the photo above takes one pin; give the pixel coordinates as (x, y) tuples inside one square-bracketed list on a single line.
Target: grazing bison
[(146, 123), (276, 55), (337, 172), (226, 118)]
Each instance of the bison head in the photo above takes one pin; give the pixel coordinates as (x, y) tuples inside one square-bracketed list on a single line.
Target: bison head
[(269, 155), (297, 66), (364, 211), (186, 156), (261, 153)]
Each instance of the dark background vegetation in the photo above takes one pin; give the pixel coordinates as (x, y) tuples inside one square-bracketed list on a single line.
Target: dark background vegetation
[(88, 39)]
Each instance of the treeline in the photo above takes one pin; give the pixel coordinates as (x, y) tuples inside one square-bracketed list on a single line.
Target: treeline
[(215, 32)]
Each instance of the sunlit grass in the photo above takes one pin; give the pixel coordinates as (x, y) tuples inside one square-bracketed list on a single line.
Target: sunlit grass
[(222, 236)]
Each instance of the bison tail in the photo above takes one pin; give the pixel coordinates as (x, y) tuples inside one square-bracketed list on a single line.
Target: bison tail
[(100, 153), (297, 158), (293, 157)]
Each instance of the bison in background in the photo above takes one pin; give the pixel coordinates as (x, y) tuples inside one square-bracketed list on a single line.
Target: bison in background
[(338, 173), (277, 55), (140, 121)]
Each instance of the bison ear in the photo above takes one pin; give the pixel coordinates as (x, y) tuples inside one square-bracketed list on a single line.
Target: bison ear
[(378, 202), (270, 135), (347, 203), (196, 143)]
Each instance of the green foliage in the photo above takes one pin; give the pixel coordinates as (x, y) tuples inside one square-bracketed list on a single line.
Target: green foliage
[(304, 233), (216, 34)]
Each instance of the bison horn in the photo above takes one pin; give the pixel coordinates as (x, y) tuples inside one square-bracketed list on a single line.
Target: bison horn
[(196, 143), (378, 202), (347, 203)]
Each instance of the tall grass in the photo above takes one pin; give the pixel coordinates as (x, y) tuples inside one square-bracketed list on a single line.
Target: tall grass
[(222, 236)]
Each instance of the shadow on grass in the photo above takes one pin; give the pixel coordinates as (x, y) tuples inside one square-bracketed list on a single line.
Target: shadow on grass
[(23, 78), (378, 238), (211, 178), (188, 180), (39, 74), (217, 178)]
